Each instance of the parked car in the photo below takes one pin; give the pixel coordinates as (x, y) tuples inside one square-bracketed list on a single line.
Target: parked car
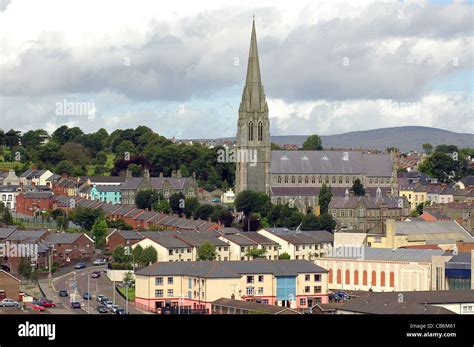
[(75, 305), (104, 299), (108, 304), (99, 297), (9, 303), (99, 262), (95, 274), (114, 308), (334, 297), (216, 200), (46, 303), (87, 296), (80, 266), (101, 309), (63, 293), (343, 295), (120, 311), (35, 305)]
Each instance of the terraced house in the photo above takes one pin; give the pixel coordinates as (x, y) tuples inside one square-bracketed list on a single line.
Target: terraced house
[(196, 285), (106, 193), (164, 185)]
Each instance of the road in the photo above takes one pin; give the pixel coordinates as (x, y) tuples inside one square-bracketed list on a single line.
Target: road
[(84, 282)]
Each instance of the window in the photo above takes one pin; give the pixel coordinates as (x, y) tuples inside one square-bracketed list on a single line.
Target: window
[(374, 278), (260, 290), (356, 277), (317, 289), (170, 293), (250, 291), (286, 179), (339, 276), (159, 293), (158, 281), (317, 278), (333, 179), (382, 279), (330, 276), (170, 280), (249, 279), (340, 179), (300, 179), (250, 131), (297, 248), (279, 179), (307, 289), (364, 278), (307, 277), (170, 252), (306, 179), (392, 279), (265, 301), (242, 249), (293, 179), (303, 302), (260, 278), (347, 179), (260, 131)]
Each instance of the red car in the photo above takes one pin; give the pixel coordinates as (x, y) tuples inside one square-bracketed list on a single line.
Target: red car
[(35, 305), (46, 303)]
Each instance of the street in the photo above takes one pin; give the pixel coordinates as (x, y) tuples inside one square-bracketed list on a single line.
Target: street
[(79, 281)]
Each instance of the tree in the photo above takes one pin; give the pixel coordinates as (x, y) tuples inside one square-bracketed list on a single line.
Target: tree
[(24, 268), (162, 206), (358, 188), (7, 217), (439, 165), (190, 206), (310, 222), (177, 203), (222, 215), (64, 134), (206, 252), (128, 278), (419, 208), (149, 255), (327, 222), (254, 253), (313, 143), (204, 212), (284, 256), (145, 199), (101, 158), (12, 138), (76, 153), (324, 198), (249, 201), (65, 167), (135, 170), (99, 232), (137, 254), (427, 147), (118, 224), (119, 255), (85, 217)]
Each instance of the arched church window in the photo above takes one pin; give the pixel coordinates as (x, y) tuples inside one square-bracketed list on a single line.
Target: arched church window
[(327, 179), (279, 179), (340, 179), (293, 179), (279, 201), (286, 179), (300, 180), (313, 179), (320, 179), (260, 131), (306, 179), (333, 179), (250, 131), (347, 179)]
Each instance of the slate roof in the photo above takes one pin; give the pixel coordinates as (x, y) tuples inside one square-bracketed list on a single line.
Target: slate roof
[(231, 269), (423, 227), (468, 180), (330, 162), (7, 231), (429, 297), (197, 240), (166, 241), (108, 188), (369, 202), (253, 306), (156, 182), (398, 254), (304, 237), (63, 238), (312, 191), (27, 235)]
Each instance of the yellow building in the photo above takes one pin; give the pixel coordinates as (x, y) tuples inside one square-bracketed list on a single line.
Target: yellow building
[(414, 194), (195, 285), (241, 243)]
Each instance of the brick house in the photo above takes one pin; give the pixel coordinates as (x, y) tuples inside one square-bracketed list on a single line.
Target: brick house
[(29, 203), (72, 246), (122, 238), (9, 286)]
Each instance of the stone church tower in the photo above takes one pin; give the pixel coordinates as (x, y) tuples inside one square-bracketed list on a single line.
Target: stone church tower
[(253, 129)]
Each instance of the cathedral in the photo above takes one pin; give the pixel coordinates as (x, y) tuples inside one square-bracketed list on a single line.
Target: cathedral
[(297, 176)]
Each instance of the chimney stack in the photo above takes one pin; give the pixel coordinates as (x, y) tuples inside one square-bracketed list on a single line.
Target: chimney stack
[(161, 174), (146, 174), (173, 174), (194, 175), (178, 174), (128, 173)]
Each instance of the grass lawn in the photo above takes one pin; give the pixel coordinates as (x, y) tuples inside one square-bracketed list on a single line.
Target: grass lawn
[(131, 293), (109, 164)]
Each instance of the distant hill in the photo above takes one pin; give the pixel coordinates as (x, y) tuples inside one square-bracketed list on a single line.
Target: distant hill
[(405, 138)]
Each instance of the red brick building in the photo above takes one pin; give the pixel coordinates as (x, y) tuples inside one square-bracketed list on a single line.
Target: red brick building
[(31, 202), (71, 247), (122, 238), (9, 286)]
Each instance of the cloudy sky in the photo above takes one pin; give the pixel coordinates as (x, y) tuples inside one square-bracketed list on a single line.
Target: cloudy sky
[(179, 66)]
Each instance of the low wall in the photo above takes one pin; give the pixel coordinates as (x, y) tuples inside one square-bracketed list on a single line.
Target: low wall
[(117, 275)]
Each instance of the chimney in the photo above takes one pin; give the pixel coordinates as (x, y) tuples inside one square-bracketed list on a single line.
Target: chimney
[(146, 174), (128, 173), (178, 174), (161, 174), (194, 175), (390, 233), (346, 194), (173, 174)]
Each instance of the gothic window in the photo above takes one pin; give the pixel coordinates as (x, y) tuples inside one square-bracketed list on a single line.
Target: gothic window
[(313, 179), (250, 131), (300, 180), (260, 131), (347, 179), (376, 180), (293, 179), (279, 179), (333, 179), (279, 201), (320, 180), (286, 179), (306, 179), (340, 179), (327, 179)]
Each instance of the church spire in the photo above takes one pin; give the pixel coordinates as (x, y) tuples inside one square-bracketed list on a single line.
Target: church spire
[(253, 96)]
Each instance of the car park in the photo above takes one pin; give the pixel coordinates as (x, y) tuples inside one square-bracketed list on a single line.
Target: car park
[(80, 266), (63, 293), (9, 303), (46, 303), (95, 274), (75, 305)]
